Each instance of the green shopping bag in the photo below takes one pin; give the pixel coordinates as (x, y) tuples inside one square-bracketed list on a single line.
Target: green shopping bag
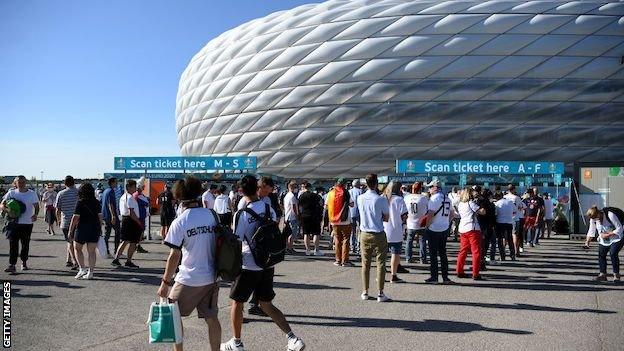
[(164, 323)]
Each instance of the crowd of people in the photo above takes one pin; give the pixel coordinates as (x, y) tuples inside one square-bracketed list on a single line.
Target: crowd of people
[(410, 223)]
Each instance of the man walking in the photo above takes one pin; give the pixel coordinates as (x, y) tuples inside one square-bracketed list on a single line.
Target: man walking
[(208, 197), (417, 205), (518, 214), (110, 215), (253, 278), (265, 189), (311, 212), (534, 210), (20, 230), (355, 215), (65, 205), (165, 202), (144, 207), (130, 231), (291, 214), (454, 198), (439, 215), (374, 210), (338, 203)]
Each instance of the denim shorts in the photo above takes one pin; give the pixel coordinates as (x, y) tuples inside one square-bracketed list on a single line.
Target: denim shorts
[(395, 248)]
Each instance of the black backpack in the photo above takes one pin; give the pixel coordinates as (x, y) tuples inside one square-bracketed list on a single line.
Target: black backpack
[(268, 244), (228, 252), (616, 211)]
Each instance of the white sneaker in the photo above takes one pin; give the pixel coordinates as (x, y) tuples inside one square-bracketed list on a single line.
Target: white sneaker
[(521, 250), (382, 298), (231, 346), (307, 252), (88, 276), (364, 296), (295, 344), (487, 259), (318, 253), (81, 272)]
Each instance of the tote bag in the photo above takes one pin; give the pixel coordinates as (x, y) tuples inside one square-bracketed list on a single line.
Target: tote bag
[(101, 247), (164, 323)]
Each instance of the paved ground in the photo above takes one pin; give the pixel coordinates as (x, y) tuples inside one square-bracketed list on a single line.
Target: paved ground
[(545, 301)]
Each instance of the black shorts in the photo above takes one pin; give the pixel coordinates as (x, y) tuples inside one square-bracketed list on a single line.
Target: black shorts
[(225, 218), (50, 216), (166, 219), (130, 230), (260, 282), (310, 225)]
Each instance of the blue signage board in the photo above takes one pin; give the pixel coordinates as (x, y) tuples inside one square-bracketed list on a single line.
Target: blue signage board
[(193, 163), (217, 177), (478, 167)]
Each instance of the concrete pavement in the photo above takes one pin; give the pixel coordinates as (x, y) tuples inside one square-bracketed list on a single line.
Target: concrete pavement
[(544, 301)]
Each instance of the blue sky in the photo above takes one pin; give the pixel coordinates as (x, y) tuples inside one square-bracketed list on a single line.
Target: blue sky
[(84, 81)]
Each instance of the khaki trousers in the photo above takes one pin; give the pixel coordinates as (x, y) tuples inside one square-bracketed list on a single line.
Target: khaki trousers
[(374, 244)]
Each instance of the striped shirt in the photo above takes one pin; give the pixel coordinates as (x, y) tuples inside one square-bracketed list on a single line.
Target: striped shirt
[(66, 202)]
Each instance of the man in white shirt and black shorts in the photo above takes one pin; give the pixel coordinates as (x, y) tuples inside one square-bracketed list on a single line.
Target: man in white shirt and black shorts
[(131, 229), (254, 279)]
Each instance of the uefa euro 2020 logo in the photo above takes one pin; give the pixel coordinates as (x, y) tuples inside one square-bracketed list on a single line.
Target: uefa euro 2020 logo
[(248, 163)]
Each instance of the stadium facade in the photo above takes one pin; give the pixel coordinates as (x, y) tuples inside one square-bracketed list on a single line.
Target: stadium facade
[(347, 87)]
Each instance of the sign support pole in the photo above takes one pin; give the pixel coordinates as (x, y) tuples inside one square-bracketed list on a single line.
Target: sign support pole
[(149, 210)]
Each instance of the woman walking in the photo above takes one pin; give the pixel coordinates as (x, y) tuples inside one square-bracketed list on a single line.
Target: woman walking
[(49, 198), (469, 234), (85, 228)]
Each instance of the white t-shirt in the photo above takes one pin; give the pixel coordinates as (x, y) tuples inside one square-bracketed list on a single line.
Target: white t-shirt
[(597, 227), (504, 211), (290, 200), (441, 221), (245, 200), (468, 216), (29, 198), (549, 207), (394, 226), (193, 232), (208, 200), (519, 205), (246, 226), (454, 197), (416, 209), (222, 204), (127, 202), (49, 197), (517, 201), (372, 208), (354, 193)]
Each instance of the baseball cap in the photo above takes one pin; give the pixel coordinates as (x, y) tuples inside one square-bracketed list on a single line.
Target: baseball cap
[(341, 180), (434, 182)]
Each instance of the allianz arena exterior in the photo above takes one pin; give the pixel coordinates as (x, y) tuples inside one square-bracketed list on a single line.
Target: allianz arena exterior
[(347, 87)]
